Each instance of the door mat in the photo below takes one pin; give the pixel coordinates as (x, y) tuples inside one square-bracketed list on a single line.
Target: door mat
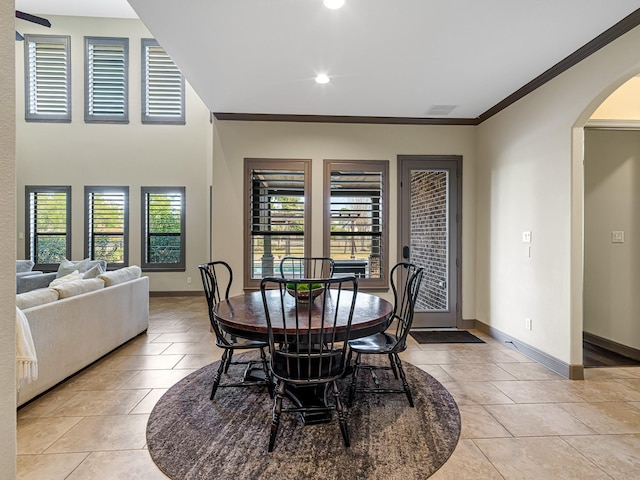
[(445, 336)]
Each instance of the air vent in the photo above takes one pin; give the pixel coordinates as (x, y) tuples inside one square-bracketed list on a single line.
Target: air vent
[(440, 109)]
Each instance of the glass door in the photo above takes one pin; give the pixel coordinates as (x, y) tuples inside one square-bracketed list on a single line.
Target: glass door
[(430, 235)]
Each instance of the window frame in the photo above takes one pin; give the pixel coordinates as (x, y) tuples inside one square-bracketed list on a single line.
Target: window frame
[(32, 255), (144, 236), (88, 70), (158, 119), (88, 252), (379, 166), (36, 116), (287, 165)]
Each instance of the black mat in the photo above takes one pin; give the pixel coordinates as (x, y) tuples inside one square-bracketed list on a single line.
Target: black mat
[(445, 336), (190, 437)]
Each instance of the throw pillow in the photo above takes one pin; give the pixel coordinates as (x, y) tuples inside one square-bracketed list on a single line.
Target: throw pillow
[(93, 272), (120, 276), (36, 297), (75, 275), (24, 266), (67, 266)]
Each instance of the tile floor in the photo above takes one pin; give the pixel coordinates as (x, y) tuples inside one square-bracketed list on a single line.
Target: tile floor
[(519, 419)]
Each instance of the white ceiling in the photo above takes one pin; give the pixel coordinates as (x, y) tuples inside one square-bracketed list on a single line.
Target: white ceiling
[(385, 58)]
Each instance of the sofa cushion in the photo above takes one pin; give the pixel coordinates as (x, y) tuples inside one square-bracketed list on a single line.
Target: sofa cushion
[(121, 275), (27, 283), (75, 275), (78, 287), (24, 266), (36, 297)]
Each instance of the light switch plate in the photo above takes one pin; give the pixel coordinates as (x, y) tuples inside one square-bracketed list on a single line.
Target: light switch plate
[(617, 236)]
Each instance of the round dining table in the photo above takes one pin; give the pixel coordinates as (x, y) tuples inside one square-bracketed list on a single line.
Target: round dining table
[(243, 315)]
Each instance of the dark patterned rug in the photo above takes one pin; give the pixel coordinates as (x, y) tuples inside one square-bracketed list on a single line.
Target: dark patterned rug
[(190, 437)]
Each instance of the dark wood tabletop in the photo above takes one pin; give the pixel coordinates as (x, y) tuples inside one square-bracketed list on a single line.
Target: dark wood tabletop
[(243, 315)]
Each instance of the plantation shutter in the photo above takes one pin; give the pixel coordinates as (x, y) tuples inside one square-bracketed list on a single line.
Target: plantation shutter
[(47, 80), (277, 217), (48, 225), (356, 222), (106, 77), (163, 246), (163, 86), (107, 224)]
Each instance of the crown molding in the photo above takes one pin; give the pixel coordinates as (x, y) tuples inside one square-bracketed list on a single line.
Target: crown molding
[(268, 117), (623, 26), (613, 124)]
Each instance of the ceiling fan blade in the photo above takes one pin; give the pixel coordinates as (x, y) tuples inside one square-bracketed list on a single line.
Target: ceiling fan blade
[(32, 18)]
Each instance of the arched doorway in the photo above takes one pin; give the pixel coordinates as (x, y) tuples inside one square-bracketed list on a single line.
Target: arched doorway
[(602, 295)]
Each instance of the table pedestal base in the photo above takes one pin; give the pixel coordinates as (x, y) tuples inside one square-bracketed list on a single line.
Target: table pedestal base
[(301, 396), (311, 396)]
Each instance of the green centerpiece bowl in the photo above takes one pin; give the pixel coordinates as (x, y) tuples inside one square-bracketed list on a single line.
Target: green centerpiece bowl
[(304, 294)]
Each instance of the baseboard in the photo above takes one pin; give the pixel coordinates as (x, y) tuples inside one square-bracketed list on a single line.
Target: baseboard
[(612, 346), (179, 293), (467, 324), (572, 372)]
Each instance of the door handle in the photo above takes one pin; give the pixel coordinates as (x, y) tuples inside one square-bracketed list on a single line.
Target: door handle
[(405, 252)]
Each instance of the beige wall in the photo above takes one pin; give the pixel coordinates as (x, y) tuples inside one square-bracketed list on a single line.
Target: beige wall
[(235, 141), (136, 155), (623, 104), (612, 270), (530, 179), (7, 246)]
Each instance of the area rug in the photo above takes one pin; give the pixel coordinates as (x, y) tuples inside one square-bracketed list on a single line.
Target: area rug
[(445, 336), (190, 437)]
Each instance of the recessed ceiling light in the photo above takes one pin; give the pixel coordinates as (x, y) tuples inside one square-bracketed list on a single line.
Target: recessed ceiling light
[(322, 78), (333, 4)]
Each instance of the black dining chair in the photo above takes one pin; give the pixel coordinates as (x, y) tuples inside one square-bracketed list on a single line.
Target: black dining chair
[(394, 339), (306, 267), (216, 280), (307, 340)]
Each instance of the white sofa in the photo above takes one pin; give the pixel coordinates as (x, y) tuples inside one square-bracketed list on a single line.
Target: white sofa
[(73, 332)]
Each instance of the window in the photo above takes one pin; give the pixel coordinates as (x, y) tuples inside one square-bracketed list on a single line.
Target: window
[(106, 87), (355, 224), (277, 214), (163, 238), (162, 86), (47, 78), (107, 225), (48, 225)]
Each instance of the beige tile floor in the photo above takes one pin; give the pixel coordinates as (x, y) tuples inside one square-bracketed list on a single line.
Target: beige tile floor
[(519, 419)]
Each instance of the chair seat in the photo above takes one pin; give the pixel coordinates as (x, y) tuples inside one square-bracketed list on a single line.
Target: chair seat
[(377, 343), (304, 369), (240, 343)]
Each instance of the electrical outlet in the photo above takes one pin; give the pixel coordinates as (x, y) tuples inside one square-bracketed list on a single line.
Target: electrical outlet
[(189, 280), (527, 323)]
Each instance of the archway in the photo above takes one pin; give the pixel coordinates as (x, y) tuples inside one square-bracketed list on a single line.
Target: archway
[(578, 222)]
